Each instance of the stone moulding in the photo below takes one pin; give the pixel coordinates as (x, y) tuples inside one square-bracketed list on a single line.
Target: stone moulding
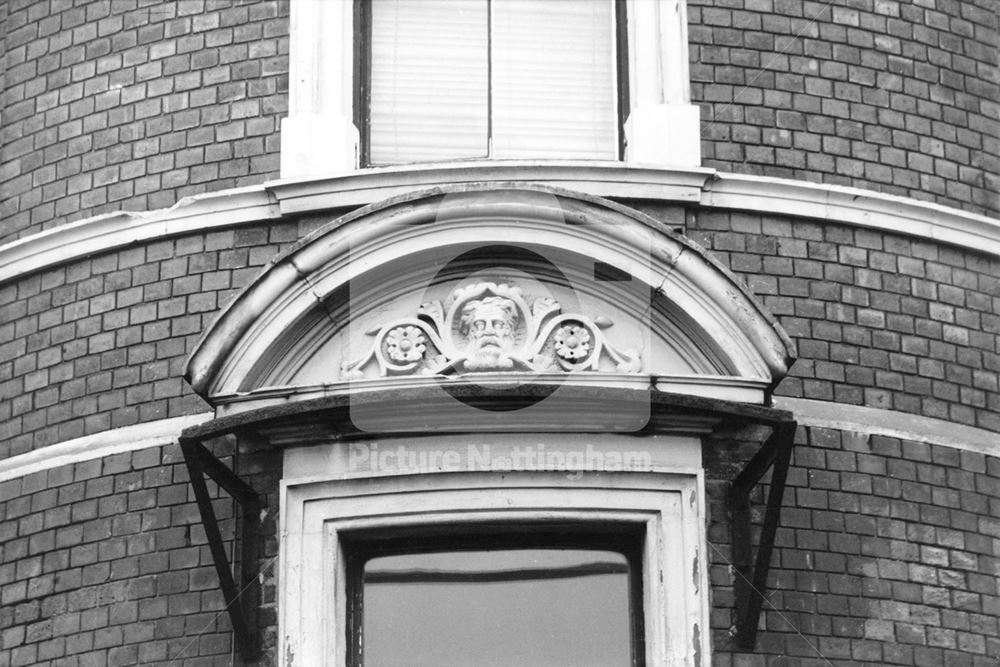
[(287, 330), (705, 187), (112, 231), (859, 421), (98, 445), (855, 207)]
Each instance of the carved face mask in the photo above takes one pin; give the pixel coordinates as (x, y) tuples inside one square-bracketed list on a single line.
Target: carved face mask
[(489, 326)]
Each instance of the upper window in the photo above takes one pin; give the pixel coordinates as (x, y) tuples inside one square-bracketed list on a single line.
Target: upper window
[(453, 79), (379, 82)]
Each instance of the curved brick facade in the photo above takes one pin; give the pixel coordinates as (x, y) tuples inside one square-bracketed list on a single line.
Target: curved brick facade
[(878, 320), (105, 562), (887, 555), (102, 343), (114, 106), (111, 106), (888, 550), (899, 97)]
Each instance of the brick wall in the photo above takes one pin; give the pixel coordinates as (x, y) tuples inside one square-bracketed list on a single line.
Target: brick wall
[(105, 562), (130, 105), (102, 343), (260, 466), (887, 554), (890, 95), (878, 319), (887, 550)]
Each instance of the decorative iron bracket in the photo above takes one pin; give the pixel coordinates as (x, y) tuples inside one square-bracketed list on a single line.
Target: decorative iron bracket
[(242, 602), (751, 573)]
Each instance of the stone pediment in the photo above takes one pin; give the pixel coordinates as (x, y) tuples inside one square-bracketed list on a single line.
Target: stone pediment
[(517, 284)]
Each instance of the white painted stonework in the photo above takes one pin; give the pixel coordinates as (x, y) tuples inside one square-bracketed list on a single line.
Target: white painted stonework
[(603, 179), (664, 134), (319, 135), (704, 187), (867, 421), (853, 418), (332, 315), (663, 127), (319, 138), (99, 445), (492, 326), (111, 231), (325, 497)]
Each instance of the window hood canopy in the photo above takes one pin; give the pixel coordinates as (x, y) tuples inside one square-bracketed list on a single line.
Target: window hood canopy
[(499, 285)]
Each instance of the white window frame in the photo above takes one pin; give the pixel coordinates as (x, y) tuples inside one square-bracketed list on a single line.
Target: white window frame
[(322, 497), (319, 137)]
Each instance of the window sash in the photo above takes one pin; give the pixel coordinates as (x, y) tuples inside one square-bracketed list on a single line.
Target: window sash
[(505, 87)]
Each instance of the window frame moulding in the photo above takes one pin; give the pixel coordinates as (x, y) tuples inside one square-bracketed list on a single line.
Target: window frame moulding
[(320, 136)]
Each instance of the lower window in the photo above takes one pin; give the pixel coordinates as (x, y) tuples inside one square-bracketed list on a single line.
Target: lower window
[(532, 595), (493, 568)]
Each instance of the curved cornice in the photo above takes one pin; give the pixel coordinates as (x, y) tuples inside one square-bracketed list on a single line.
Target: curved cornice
[(704, 187), (903, 425), (98, 445), (76, 240), (853, 206), (823, 414)]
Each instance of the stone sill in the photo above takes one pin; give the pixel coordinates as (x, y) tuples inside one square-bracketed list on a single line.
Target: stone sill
[(727, 388)]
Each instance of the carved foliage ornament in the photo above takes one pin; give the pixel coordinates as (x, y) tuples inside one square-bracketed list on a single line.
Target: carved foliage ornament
[(491, 327)]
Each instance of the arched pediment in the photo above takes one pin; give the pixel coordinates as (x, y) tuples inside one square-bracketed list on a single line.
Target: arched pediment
[(505, 285)]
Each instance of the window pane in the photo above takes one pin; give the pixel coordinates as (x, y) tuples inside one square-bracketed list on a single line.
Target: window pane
[(544, 607), (428, 80), (554, 79)]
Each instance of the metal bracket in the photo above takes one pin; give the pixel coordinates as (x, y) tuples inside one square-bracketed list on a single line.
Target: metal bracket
[(751, 573), (329, 417), (242, 603)]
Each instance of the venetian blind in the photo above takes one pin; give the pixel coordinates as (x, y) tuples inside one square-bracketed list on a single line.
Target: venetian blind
[(429, 90), (455, 79)]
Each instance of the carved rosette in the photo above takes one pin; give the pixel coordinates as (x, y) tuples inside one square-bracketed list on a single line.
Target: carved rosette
[(572, 342), (404, 344), (491, 327)]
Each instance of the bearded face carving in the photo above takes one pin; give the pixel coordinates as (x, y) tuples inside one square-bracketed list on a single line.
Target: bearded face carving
[(488, 325)]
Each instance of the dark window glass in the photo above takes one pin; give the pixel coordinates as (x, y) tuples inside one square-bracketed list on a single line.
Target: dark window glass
[(526, 601)]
